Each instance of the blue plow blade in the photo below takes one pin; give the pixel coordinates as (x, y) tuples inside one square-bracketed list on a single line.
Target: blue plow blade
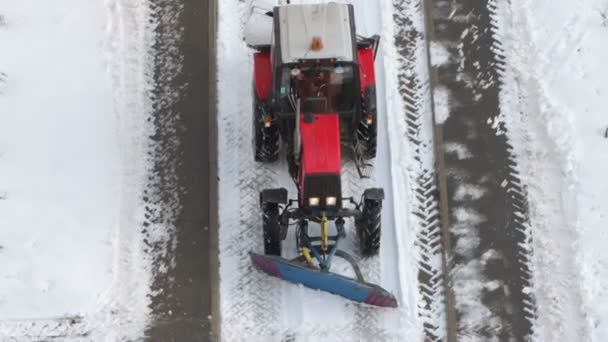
[(330, 282)]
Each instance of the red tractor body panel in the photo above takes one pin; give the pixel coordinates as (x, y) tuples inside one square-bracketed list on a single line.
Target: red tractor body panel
[(321, 159), (367, 73), (321, 149), (262, 74)]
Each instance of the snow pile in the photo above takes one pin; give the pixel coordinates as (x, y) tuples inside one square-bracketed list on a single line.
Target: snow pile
[(70, 169), (554, 105)]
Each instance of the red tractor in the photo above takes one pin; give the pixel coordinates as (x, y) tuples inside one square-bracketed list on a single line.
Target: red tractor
[(315, 94)]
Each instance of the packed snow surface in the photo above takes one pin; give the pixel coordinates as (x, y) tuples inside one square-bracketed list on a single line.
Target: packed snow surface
[(554, 104), (60, 161), (68, 171)]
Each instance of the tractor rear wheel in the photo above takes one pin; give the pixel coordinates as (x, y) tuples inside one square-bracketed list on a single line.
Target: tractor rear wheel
[(272, 229), (369, 227), (367, 139), (265, 139), (367, 132)]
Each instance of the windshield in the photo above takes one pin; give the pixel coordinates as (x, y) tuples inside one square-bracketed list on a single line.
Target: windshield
[(325, 89)]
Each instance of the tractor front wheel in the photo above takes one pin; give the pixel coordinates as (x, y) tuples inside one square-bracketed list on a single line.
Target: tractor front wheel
[(265, 139), (272, 229), (369, 227)]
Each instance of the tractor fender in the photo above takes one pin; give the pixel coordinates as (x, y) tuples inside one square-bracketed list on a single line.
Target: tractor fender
[(376, 194), (370, 98), (278, 196), (262, 74), (367, 72)]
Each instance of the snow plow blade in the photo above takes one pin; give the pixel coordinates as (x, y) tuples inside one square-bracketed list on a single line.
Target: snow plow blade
[(330, 282)]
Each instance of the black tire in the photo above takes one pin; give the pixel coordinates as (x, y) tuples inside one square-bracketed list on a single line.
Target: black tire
[(367, 134), (369, 227), (265, 139), (272, 229), (367, 139), (292, 163)]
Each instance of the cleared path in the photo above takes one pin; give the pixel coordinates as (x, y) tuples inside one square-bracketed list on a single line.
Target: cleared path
[(185, 295)]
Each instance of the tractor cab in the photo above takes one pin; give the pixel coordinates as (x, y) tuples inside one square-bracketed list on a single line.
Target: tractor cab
[(313, 54), (324, 87)]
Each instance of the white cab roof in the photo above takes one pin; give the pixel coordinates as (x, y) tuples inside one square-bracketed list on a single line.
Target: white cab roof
[(300, 23)]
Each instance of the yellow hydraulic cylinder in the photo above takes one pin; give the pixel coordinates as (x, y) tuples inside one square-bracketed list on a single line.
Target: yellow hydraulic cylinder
[(306, 254), (324, 233)]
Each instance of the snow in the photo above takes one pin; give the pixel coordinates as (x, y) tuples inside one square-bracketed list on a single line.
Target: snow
[(469, 192), (441, 98), (469, 281), (467, 295), (69, 173), (439, 53), (459, 150), (259, 27), (2, 82), (554, 106), (44, 172)]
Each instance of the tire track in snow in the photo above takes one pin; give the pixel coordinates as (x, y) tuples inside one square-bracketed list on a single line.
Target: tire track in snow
[(73, 328), (491, 257), (129, 41), (539, 153), (368, 320), (519, 218), (3, 78), (365, 322), (161, 195), (414, 88), (250, 301)]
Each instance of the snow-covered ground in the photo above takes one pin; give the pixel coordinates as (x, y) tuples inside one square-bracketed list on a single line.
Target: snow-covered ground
[(255, 307), (72, 111), (73, 102), (554, 104)]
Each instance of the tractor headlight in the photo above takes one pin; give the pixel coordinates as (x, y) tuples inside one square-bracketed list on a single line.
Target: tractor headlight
[(313, 201), (331, 201)]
